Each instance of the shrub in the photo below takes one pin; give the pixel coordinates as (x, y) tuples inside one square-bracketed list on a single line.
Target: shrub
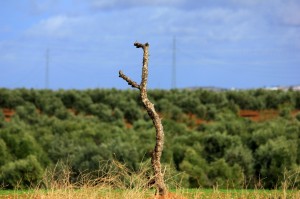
[(22, 173)]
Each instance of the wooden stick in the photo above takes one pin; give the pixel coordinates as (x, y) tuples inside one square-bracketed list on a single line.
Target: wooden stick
[(157, 152)]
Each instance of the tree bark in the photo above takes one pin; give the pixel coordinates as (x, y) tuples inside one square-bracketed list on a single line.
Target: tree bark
[(157, 152)]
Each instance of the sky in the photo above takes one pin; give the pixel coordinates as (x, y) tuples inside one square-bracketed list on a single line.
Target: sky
[(82, 44)]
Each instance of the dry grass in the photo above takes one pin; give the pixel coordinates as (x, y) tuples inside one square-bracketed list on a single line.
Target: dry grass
[(114, 180)]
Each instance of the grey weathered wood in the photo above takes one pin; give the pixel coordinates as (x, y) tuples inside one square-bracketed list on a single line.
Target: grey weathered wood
[(157, 152)]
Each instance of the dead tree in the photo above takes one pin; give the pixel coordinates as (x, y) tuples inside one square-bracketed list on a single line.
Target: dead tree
[(156, 154)]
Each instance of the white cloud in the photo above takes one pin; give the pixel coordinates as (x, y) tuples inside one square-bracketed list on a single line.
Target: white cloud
[(38, 7), (57, 27), (223, 15), (280, 11), (250, 2), (207, 25), (219, 24), (290, 13), (213, 23), (120, 4)]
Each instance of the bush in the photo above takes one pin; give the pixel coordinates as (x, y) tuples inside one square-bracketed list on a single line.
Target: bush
[(196, 167), (23, 173), (298, 117), (273, 158), (27, 112), (224, 176), (215, 145), (4, 153), (241, 156)]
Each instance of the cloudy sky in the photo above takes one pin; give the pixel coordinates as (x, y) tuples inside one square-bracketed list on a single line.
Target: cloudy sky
[(222, 43)]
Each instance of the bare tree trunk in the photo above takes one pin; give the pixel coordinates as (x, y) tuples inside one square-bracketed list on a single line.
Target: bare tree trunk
[(156, 154)]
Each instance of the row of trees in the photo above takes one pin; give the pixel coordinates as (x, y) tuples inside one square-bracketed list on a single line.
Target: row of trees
[(203, 103), (87, 127)]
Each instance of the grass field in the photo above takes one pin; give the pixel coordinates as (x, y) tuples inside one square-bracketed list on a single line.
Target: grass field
[(118, 182), (95, 193)]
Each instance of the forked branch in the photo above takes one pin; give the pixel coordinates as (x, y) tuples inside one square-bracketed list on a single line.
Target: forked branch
[(133, 84), (157, 152)]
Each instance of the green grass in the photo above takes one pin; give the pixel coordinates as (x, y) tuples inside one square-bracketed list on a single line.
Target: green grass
[(239, 193), (14, 192)]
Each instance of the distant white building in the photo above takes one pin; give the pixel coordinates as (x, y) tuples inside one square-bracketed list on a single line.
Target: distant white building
[(296, 88)]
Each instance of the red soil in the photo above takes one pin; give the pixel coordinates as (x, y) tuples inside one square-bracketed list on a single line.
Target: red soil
[(127, 124), (8, 113), (295, 112), (196, 120), (256, 116)]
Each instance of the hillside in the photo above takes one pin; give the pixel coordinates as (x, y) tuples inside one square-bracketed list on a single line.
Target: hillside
[(212, 138)]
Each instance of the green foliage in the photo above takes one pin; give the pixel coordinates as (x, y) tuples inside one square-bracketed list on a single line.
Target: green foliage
[(285, 111), (273, 157), (298, 117), (27, 112), (1, 115), (206, 141), (242, 156), (4, 153), (216, 144), (223, 175), (10, 98), (21, 173), (196, 167)]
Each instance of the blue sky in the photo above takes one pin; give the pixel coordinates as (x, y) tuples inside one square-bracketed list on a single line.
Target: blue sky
[(222, 43)]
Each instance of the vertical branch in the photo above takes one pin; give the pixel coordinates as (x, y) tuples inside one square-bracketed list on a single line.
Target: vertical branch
[(157, 152)]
